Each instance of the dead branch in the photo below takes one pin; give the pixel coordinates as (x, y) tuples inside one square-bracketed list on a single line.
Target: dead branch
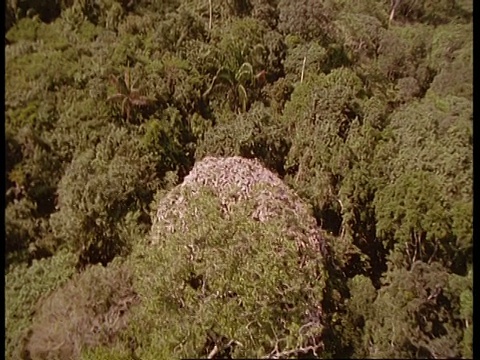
[(278, 355)]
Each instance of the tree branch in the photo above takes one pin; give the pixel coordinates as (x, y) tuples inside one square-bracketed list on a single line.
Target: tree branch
[(210, 15), (277, 355), (216, 349), (303, 69)]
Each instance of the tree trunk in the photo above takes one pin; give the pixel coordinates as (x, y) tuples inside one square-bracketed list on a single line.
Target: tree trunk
[(303, 69), (210, 15), (394, 6)]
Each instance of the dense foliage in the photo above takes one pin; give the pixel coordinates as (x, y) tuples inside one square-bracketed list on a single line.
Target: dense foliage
[(363, 109)]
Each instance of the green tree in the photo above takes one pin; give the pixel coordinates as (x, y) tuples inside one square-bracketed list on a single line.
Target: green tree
[(360, 309), (318, 118), (244, 304), (451, 58), (412, 316), (360, 34), (310, 19), (429, 149), (403, 52), (99, 189), (413, 211), (255, 133), (431, 12), (365, 112), (240, 41)]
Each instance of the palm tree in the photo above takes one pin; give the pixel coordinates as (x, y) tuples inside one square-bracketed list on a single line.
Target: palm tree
[(235, 85), (127, 95)]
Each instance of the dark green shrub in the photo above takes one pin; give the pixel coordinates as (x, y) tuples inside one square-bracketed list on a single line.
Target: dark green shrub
[(403, 52), (310, 19), (265, 11), (451, 58), (428, 11), (21, 230), (360, 35), (359, 310), (318, 119), (46, 10), (240, 41), (26, 29), (255, 134), (426, 177), (100, 187), (377, 9), (412, 314), (278, 94), (456, 78), (315, 56), (168, 140)]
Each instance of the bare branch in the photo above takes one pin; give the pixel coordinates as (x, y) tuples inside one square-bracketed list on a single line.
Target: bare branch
[(287, 353), (394, 5), (303, 69), (216, 349), (210, 15), (213, 352)]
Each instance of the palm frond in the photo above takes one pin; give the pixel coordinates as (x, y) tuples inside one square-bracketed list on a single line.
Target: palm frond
[(119, 84), (127, 77), (116, 97), (210, 88), (113, 79), (140, 101), (126, 106), (133, 85), (224, 76), (243, 97), (128, 112), (245, 73), (257, 54)]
